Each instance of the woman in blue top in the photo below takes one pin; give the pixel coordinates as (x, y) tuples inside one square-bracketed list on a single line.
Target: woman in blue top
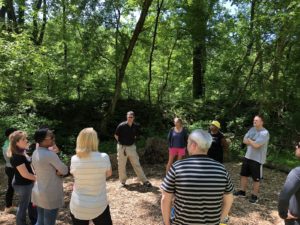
[(177, 139)]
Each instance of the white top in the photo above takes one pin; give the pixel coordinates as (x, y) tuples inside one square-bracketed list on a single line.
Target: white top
[(89, 198)]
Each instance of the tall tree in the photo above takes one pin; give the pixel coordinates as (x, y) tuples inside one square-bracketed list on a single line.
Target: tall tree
[(125, 61), (198, 13), (38, 32), (158, 11)]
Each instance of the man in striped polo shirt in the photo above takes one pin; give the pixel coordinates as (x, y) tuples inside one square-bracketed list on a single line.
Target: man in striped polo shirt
[(202, 187)]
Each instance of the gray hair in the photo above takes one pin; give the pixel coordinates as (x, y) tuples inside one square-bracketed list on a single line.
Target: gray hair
[(202, 138), (130, 113)]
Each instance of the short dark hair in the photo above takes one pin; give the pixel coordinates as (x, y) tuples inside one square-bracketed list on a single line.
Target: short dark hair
[(131, 113), (9, 131), (261, 117), (40, 135)]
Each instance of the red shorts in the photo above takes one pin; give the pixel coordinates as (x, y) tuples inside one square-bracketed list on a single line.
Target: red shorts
[(177, 151)]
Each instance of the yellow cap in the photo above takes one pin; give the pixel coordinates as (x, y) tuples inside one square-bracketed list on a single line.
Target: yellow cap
[(216, 123)]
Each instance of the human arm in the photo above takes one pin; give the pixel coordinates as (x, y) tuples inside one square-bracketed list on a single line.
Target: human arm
[(61, 168), (108, 166), (25, 173), (227, 198), (224, 144), (4, 151), (170, 137), (226, 206), (108, 172), (261, 140), (54, 148), (290, 187), (246, 137), (116, 137), (168, 190), (166, 204), (253, 144)]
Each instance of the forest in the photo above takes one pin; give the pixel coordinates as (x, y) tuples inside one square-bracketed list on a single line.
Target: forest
[(70, 64)]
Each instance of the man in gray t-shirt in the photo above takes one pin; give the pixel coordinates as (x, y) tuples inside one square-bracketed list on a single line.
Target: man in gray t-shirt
[(256, 139)]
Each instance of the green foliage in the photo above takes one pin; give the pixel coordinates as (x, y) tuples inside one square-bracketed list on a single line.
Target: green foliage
[(67, 82), (286, 158), (22, 117)]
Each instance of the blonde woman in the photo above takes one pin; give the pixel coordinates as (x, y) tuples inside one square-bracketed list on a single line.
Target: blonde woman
[(90, 169), (177, 139), (24, 176)]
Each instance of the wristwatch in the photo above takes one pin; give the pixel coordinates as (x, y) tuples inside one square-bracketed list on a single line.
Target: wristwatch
[(224, 221)]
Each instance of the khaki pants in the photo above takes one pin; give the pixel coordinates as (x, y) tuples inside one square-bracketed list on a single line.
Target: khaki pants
[(132, 155)]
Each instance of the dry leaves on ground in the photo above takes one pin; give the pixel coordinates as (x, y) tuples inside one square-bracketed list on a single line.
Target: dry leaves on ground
[(136, 205)]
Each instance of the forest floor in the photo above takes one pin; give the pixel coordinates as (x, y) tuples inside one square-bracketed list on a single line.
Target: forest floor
[(137, 205)]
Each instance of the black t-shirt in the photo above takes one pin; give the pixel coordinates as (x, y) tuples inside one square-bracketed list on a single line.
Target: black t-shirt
[(17, 160), (216, 150), (127, 134)]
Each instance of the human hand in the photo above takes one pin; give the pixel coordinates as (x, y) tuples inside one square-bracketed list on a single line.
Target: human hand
[(249, 141), (297, 151), (54, 148), (291, 217), (246, 141), (58, 173)]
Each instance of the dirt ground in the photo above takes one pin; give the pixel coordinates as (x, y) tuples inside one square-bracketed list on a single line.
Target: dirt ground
[(137, 205)]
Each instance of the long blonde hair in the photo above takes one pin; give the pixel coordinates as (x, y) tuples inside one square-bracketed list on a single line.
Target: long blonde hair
[(87, 142), (15, 137)]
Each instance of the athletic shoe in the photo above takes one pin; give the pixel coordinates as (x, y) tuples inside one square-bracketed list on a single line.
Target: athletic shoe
[(253, 199), (147, 184), (240, 193), (11, 209), (123, 185)]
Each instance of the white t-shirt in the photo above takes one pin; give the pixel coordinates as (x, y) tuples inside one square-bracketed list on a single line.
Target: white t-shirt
[(89, 199)]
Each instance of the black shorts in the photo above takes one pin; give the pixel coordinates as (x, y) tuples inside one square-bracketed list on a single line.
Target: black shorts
[(251, 168)]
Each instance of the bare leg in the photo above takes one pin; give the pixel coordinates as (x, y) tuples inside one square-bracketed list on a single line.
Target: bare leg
[(244, 183), (255, 188), (170, 162), (180, 157)]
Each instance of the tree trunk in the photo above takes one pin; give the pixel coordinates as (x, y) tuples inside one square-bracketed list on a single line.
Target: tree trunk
[(38, 34), (126, 57), (118, 17), (64, 37), (21, 13), (166, 78), (242, 91), (199, 58), (201, 10), (2, 18), (158, 10), (12, 20)]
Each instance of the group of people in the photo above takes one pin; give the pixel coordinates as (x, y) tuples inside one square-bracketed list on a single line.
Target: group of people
[(196, 190), (38, 180)]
